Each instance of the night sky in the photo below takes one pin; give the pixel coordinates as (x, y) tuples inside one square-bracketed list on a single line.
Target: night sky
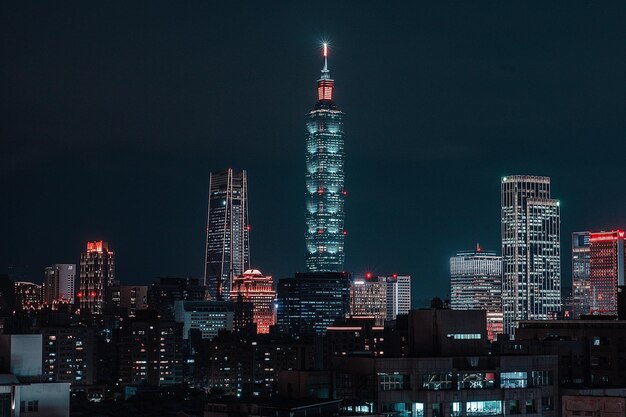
[(113, 114)]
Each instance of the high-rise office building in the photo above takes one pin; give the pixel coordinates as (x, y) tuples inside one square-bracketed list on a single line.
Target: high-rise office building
[(58, 286), (380, 297), (252, 286), (476, 284), (311, 302), (398, 295), (97, 273), (227, 232), (531, 249), (581, 263), (368, 297), (606, 270), (325, 193)]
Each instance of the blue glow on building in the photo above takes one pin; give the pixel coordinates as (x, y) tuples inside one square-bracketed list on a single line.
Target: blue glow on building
[(325, 193)]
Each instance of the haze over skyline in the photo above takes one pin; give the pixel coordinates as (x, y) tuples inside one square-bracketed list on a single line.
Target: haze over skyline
[(113, 115)]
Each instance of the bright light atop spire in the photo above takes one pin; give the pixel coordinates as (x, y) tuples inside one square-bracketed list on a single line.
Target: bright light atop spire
[(325, 50)]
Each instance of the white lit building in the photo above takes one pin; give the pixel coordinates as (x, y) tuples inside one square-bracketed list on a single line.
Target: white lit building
[(209, 317), (398, 295), (476, 284), (531, 249)]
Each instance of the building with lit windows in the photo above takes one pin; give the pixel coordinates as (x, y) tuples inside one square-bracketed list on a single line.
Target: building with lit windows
[(380, 297), (606, 270), (28, 295), (227, 232), (531, 250), (581, 264), (325, 193), (58, 286), (398, 295), (449, 371), (97, 273), (69, 355), (476, 284), (254, 287), (133, 298), (150, 351), (368, 297), (311, 302), (206, 317)]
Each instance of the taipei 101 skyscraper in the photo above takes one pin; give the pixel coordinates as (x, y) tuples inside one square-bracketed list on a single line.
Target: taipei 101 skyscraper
[(325, 193)]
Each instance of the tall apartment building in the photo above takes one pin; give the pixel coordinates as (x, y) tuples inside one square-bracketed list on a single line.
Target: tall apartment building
[(398, 295), (581, 264), (252, 286), (531, 250), (606, 270), (150, 351), (59, 283), (97, 273), (227, 234), (324, 180), (476, 284)]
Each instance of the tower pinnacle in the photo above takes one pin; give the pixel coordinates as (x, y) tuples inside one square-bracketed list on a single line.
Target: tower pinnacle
[(325, 71)]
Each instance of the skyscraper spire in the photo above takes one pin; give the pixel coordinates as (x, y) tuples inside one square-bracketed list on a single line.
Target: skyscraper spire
[(325, 71), (325, 193)]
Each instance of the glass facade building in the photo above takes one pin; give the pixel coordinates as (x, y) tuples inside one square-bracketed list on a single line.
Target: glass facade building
[(531, 250), (581, 263), (311, 302), (227, 234), (324, 178), (476, 284), (606, 270)]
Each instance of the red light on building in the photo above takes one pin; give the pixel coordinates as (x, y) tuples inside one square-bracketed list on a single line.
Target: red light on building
[(394, 276), (368, 275), (248, 228), (79, 294), (320, 231), (95, 246), (344, 192), (320, 191), (92, 294), (345, 232)]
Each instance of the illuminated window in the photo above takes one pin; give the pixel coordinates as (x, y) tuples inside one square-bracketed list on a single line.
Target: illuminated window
[(393, 382), (475, 380), (437, 381), (513, 379), (483, 408)]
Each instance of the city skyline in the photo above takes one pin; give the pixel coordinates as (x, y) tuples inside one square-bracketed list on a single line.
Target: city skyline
[(452, 80)]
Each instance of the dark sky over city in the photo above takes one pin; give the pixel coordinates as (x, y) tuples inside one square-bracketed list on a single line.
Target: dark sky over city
[(113, 114)]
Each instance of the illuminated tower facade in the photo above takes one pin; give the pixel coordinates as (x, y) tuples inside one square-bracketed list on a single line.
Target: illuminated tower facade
[(325, 193), (606, 270), (97, 272), (256, 288), (476, 284), (227, 236), (531, 250), (581, 264)]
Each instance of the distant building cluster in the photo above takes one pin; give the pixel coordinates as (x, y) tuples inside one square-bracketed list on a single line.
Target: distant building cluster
[(325, 342)]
